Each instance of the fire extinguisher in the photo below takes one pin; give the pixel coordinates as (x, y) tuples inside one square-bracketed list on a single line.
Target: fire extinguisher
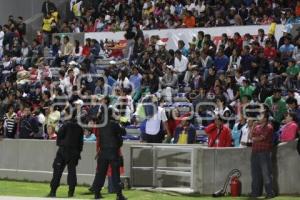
[(233, 180), (235, 186)]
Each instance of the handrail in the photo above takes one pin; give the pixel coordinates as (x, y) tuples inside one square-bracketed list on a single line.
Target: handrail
[(171, 171)]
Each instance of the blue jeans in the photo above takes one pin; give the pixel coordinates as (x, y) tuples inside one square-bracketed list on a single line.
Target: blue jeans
[(261, 172)]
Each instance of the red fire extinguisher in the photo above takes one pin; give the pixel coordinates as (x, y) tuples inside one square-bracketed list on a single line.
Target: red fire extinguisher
[(235, 186)]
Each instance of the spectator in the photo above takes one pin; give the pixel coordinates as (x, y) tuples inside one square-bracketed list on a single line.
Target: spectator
[(185, 133), (47, 6), (28, 124), (293, 107), (189, 21), (10, 124), (277, 106), (102, 88), (237, 133), (180, 65), (289, 131), (169, 83), (221, 61), (218, 134), (261, 163)]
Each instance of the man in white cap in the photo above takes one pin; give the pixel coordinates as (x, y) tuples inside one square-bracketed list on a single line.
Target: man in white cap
[(162, 52)]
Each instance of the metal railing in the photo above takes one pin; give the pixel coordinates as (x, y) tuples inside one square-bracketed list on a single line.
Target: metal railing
[(164, 170)]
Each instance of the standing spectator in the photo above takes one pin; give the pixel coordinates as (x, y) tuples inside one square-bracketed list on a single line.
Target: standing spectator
[(261, 163), (1, 41), (294, 107), (47, 29), (185, 133), (218, 134), (28, 124), (237, 133), (10, 122), (47, 7), (136, 80), (290, 128), (152, 129)]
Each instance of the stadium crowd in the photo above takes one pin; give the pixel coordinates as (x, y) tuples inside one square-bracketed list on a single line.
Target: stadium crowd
[(38, 84), (118, 15)]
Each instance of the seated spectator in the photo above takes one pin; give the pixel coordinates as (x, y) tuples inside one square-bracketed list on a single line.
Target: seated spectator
[(169, 83), (287, 49), (221, 61), (89, 136), (289, 131), (189, 21), (102, 88), (185, 133)]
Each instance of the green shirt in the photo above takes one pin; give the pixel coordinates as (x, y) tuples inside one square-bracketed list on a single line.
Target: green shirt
[(246, 91), (293, 71), (279, 108)]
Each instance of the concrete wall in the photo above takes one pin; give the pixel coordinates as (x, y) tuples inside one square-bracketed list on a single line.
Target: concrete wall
[(32, 160)]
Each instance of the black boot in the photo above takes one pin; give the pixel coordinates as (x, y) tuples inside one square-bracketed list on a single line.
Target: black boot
[(52, 193), (98, 195), (71, 192), (121, 197)]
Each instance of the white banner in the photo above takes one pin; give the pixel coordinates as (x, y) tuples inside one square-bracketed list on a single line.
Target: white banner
[(186, 34)]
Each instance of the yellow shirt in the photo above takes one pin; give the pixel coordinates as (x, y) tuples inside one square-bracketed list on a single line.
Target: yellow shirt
[(76, 10), (47, 24), (183, 138)]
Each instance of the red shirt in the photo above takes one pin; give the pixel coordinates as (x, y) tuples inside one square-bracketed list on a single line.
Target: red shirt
[(86, 50), (266, 135), (224, 138), (270, 53)]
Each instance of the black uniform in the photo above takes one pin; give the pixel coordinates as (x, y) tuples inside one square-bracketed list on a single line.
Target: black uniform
[(110, 141), (70, 142)]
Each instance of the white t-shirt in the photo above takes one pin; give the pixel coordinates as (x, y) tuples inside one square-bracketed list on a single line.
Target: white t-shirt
[(181, 65), (240, 80), (1, 38), (153, 124), (245, 135)]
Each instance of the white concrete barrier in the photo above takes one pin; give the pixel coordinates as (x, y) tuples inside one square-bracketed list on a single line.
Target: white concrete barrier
[(32, 160)]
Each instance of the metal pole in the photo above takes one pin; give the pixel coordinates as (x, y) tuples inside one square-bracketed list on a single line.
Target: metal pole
[(154, 178)]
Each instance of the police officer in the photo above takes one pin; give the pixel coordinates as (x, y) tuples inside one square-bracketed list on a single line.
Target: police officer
[(70, 143), (110, 141)]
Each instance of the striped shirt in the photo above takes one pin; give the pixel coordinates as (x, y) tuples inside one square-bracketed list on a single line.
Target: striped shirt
[(9, 122)]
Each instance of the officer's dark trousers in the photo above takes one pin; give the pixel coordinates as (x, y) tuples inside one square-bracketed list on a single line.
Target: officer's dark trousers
[(106, 157), (65, 157)]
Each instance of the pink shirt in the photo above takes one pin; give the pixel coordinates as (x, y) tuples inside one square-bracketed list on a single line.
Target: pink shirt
[(289, 132)]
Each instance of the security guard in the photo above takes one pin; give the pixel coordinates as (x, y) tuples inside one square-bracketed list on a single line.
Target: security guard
[(70, 143), (110, 141)]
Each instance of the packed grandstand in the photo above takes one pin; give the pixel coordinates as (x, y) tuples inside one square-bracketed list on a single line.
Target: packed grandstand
[(139, 75)]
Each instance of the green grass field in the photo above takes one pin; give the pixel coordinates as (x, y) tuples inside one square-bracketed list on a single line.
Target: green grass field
[(24, 189)]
